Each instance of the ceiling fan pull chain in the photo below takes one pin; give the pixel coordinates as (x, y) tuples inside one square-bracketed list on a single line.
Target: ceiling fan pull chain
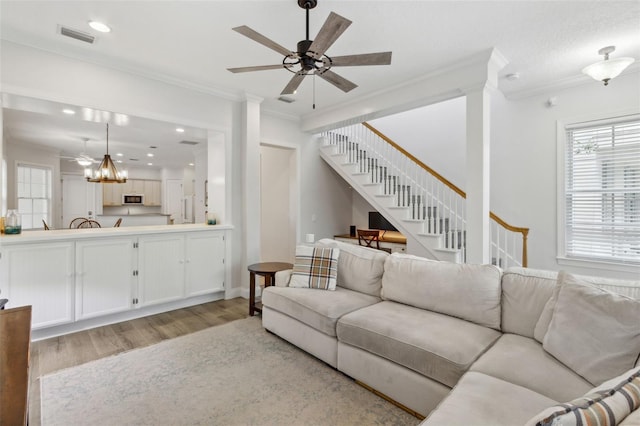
[(314, 90)]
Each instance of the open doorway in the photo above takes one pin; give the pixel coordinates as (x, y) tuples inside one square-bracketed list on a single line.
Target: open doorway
[(278, 203)]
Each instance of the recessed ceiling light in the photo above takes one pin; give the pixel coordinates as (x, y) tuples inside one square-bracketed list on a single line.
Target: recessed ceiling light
[(179, 130), (149, 164), (99, 26), (191, 164), (68, 111), (119, 154), (149, 155), (118, 161)]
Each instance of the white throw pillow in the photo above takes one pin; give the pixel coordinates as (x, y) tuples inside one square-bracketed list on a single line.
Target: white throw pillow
[(315, 267), (594, 332)]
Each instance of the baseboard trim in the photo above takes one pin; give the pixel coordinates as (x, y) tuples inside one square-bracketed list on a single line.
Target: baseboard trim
[(85, 324), (393, 401)]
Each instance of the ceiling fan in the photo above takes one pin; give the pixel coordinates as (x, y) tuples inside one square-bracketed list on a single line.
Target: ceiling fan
[(310, 57), (82, 158)]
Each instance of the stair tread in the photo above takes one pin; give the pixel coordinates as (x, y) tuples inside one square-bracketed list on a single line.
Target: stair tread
[(413, 220), (371, 184), (398, 208), (384, 195), (359, 173), (447, 250)]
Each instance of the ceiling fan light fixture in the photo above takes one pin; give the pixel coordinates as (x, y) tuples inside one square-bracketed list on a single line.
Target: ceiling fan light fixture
[(607, 69), (106, 171), (100, 26)]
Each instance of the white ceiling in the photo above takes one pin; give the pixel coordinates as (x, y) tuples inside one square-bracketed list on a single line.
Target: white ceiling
[(546, 42)]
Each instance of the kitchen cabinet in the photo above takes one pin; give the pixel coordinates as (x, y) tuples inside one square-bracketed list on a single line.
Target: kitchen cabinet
[(77, 279), (104, 276), (160, 269), (111, 194), (133, 186), (204, 263), (40, 275), (152, 193)]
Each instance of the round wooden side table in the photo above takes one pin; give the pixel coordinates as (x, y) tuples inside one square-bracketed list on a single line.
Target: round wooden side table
[(268, 271)]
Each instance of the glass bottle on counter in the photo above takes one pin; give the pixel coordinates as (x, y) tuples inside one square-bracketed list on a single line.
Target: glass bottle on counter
[(12, 223)]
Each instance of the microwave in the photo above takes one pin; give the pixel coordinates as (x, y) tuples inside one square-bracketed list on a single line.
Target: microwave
[(133, 199)]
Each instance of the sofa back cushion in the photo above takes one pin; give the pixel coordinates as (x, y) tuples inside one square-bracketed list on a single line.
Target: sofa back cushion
[(626, 288), (594, 332), (470, 292), (359, 268), (526, 293)]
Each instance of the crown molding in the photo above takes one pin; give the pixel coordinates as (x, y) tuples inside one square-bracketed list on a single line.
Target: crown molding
[(231, 95), (563, 83), (281, 115)]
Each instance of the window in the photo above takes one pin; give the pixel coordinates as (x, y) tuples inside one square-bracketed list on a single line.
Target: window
[(34, 195), (602, 190)]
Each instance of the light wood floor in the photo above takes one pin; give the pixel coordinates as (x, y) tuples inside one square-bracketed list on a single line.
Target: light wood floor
[(69, 350)]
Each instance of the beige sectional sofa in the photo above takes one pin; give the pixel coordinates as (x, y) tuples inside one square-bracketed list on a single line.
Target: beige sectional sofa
[(461, 344)]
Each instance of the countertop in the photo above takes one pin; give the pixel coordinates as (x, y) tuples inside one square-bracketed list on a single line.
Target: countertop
[(133, 214), (86, 233)]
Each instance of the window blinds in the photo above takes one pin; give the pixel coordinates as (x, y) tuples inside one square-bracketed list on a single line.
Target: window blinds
[(602, 190)]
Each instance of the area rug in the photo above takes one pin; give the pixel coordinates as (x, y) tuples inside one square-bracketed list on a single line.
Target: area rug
[(233, 374)]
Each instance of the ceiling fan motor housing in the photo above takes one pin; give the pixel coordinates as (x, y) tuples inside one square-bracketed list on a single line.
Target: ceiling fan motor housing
[(307, 4), (308, 62)]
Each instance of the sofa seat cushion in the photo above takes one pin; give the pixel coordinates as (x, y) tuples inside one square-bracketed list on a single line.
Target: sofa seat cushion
[(479, 399), (437, 346), (318, 309), (523, 361)]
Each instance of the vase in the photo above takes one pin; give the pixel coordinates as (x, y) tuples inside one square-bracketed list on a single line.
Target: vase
[(12, 223)]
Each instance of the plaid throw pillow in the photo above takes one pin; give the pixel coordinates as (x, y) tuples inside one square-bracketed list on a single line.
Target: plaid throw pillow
[(604, 407), (315, 267)]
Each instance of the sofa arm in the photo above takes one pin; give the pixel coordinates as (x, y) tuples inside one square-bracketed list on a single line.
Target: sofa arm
[(283, 277)]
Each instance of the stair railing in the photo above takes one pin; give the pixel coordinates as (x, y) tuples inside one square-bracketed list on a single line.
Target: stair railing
[(426, 195)]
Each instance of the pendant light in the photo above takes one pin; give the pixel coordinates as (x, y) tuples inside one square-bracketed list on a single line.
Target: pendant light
[(608, 68), (106, 171)]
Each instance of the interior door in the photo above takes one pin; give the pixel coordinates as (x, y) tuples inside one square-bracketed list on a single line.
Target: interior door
[(174, 200), (78, 198)]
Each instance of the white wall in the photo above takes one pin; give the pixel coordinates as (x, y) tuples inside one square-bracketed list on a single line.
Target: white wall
[(325, 198), (434, 134), (523, 159), (360, 211)]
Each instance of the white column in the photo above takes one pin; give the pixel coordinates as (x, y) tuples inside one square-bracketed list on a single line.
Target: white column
[(251, 155), (478, 168)]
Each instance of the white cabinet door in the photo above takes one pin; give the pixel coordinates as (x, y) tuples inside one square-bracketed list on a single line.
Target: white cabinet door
[(205, 263), (111, 194), (104, 276), (152, 193), (40, 275), (160, 268)]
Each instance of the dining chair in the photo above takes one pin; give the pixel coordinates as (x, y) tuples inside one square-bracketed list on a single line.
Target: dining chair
[(77, 221), (118, 222), (366, 237), (90, 223), (46, 227)]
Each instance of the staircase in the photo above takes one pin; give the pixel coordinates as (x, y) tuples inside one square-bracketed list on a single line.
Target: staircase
[(418, 201)]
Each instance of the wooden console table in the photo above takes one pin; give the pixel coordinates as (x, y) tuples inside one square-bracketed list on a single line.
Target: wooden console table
[(268, 271), (15, 339)]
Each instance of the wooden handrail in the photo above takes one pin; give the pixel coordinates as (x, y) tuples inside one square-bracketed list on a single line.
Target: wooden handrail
[(437, 175), (454, 188)]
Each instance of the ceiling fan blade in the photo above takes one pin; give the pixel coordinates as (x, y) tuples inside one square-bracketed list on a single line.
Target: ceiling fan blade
[(379, 58), (340, 82), (332, 28), (256, 68), (293, 84), (256, 36)]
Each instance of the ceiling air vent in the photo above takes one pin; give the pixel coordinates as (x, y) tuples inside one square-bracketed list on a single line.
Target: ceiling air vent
[(286, 100), (78, 35), (189, 142)]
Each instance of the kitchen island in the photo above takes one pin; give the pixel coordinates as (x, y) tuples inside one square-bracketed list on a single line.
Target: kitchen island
[(82, 278)]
